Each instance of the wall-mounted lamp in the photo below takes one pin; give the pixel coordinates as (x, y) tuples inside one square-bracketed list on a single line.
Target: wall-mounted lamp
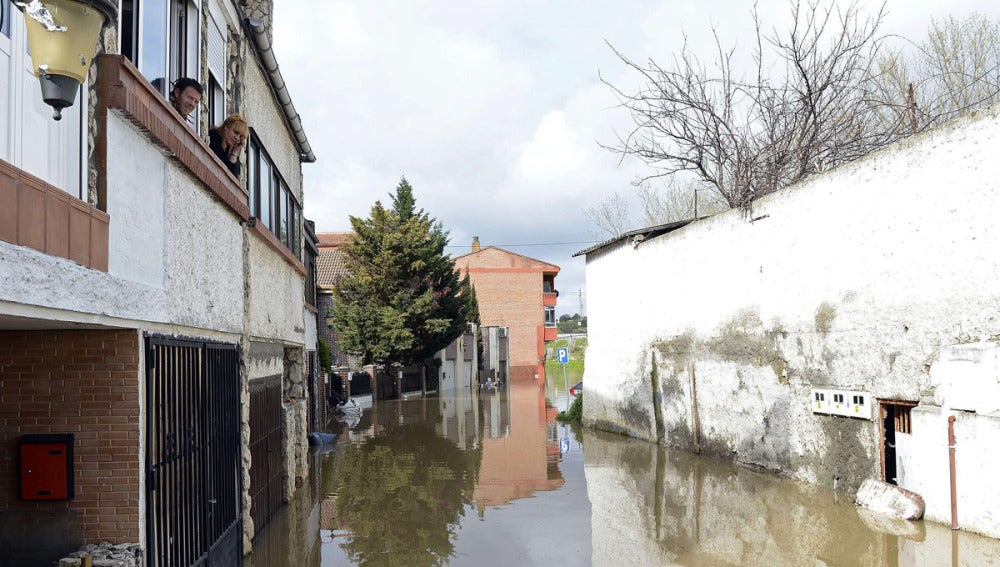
[(62, 35)]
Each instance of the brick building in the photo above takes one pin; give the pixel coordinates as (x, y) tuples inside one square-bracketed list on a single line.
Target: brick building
[(329, 269), (518, 293)]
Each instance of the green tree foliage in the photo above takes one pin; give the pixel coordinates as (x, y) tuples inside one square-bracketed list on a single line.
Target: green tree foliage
[(325, 357), (402, 299), (401, 495), (575, 413)]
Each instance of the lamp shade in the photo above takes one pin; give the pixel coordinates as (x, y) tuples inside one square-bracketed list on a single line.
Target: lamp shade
[(62, 35)]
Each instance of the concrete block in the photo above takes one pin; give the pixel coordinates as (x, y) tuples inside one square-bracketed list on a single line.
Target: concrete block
[(890, 499)]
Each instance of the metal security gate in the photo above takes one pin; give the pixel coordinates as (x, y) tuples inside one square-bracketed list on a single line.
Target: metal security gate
[(193, 456), (267, 455)]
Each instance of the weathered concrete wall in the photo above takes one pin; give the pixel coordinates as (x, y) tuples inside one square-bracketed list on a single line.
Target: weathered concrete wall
[(855, 279)]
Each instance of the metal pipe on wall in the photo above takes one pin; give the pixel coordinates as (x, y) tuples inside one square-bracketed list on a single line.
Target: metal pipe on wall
[(951, 471)]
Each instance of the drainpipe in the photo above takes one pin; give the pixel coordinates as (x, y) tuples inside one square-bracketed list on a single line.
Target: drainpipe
[(951, 470), (263, 44)]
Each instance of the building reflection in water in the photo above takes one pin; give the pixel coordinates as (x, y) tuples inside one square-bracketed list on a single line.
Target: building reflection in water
[(520, 447), (400, 482)]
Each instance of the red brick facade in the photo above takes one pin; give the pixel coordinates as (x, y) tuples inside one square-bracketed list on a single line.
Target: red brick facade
[(85, 383), (510, 290)]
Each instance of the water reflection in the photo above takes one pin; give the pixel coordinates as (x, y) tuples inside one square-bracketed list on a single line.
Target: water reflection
[(476, 477), (400, 482), (661, 507)]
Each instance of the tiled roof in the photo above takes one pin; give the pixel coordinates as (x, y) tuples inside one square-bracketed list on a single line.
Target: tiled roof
[(327, 239), (522, 260), (330, 266)]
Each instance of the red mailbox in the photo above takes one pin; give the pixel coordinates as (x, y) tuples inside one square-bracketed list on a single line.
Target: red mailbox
[(47, 466)]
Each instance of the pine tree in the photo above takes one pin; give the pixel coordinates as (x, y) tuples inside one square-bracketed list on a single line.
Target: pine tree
[(401, 299)]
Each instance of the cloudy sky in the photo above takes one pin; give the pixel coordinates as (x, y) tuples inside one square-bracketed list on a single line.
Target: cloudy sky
[(494, 110)]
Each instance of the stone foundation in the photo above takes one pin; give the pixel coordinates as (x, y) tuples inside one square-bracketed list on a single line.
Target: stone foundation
[(106, 555)]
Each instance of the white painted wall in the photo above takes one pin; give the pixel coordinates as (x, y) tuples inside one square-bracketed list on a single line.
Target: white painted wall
[(276, 294), (267, 121), (855, 279)]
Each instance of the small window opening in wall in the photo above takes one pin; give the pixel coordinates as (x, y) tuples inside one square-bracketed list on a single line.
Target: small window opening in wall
[(858, 400), (838, 398), (820, 396)]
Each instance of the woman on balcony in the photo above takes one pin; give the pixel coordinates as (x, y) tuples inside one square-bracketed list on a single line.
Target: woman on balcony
[(228, 140)]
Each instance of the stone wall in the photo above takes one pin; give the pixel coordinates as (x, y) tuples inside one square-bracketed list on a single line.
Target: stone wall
[(712, 337)]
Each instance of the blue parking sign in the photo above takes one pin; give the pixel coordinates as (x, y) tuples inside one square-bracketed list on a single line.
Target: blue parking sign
[(562, 353)]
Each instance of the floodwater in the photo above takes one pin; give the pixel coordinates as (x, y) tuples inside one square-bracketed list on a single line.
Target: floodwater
[(488, 477)]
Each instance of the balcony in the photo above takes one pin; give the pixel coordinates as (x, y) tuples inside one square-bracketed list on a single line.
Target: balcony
[(40, 216), (549, 298), (550, 334), (123, 90)]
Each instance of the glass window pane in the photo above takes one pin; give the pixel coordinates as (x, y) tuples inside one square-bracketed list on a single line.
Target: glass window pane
[(266, 199), (297, 230), (252, 179), (283, 218), (130, 28), (153, 42), (5, 17)]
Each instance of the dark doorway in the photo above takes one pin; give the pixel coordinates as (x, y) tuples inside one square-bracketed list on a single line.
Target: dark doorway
[(895, 419)]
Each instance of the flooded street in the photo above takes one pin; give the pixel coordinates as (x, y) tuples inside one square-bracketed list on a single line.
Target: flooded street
[(489, 477)]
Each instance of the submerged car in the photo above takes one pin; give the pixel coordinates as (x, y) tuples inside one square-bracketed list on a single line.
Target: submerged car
[(576, 390)]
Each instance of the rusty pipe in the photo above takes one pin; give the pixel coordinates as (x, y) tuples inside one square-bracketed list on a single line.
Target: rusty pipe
[(951, 470)]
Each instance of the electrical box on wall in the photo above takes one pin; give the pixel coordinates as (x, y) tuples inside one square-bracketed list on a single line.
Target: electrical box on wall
[(847, 403), (838, 402), (859, 405), (46, 466), (821, 401)]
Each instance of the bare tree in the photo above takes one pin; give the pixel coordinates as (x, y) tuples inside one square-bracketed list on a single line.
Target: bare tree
[(806, 109), (955, 70), (610, 216), (670, 202)]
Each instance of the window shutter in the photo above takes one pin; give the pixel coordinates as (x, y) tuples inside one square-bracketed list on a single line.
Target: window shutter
[(217, 50)]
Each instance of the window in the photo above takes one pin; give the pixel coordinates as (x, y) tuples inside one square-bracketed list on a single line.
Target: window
[(550, 316), (271, 201), (5, 17), (264, 199), (162, 39), (216, 33), (216, 102), (282, 229)]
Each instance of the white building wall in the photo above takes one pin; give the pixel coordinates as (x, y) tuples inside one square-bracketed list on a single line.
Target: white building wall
[(855, 279), (276, 295), (264, 116)]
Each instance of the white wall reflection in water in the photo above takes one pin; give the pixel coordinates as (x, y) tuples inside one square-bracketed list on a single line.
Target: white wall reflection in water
[(654, 506)]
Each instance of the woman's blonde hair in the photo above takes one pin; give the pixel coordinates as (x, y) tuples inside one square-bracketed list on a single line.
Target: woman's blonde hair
[(237, 123)]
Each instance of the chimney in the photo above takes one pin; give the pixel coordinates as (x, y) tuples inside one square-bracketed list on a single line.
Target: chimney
[(475, 244)]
